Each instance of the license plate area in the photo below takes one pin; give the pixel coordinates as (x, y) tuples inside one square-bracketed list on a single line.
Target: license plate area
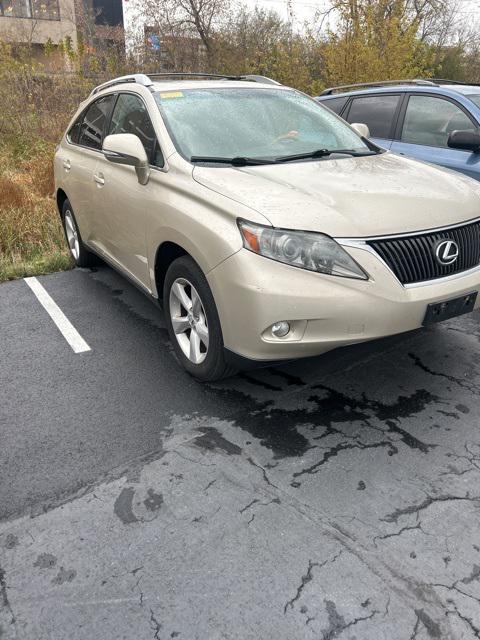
[(439, 311)]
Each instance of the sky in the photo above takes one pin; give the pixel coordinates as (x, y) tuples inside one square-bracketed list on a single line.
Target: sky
[(304, 9)]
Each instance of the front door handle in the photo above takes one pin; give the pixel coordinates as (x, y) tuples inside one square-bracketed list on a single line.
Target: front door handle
[(99, 179), (67, 165)]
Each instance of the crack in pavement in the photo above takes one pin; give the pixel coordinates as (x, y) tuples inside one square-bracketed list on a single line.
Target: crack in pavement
[(338, 624), (429, 500), (212, 482), (156, 626), (468, 621), (397, 533), (473, 459), (432, 628), (305, 580), (250, 504), (406, 588), (473, 577), (308, 578), (262, 504), (265, 476), (464, 384), (5, 601), (344, 446)]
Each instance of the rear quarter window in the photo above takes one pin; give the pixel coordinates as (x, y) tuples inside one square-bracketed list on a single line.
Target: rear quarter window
[(74, 131), (335, 104)]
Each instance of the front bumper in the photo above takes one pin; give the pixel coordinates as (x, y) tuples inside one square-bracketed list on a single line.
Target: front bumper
[(252, 293)]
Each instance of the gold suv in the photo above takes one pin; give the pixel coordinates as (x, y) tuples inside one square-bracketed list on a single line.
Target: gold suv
[(267, 227)]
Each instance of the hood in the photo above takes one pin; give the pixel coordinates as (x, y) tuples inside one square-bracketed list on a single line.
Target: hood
[(350, 197)]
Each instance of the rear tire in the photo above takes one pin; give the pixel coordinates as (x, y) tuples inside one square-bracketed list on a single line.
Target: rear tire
[(78, 251), (193, 323)]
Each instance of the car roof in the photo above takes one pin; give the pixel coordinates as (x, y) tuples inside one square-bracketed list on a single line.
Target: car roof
[(168, 81), (177, 85), (465, 89), (137, 84), (449, 89)]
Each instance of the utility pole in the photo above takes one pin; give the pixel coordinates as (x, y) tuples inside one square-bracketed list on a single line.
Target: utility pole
[(290, 13)]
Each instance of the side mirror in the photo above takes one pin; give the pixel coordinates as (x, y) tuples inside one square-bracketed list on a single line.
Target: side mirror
[(466, 140), (126, 148), (361, 129)]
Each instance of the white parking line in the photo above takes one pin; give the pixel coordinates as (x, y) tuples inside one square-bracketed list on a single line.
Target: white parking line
[(64, 325)]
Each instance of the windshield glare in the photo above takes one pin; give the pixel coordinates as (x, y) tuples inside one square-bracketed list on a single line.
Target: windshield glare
[(253, 123)]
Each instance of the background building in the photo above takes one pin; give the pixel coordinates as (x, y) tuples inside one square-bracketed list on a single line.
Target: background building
[(35, 22), (101, 22)]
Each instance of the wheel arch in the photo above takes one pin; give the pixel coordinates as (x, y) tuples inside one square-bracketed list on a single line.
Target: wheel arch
[(166, 253), (172, 244), (61, 196)]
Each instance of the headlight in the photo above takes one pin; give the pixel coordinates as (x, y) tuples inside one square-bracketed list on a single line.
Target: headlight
[(303, 249)]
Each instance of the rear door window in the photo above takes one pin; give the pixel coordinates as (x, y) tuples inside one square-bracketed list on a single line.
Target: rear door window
[(93, 123), (430, 120), (377, 112)]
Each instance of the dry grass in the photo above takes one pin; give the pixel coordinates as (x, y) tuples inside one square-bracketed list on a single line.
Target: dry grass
[(31, 236)]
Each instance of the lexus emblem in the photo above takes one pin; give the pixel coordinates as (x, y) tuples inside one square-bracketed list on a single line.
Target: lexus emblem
[(446, 252)]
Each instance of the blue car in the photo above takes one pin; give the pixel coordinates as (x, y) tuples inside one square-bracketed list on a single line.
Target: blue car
[(436, 121)]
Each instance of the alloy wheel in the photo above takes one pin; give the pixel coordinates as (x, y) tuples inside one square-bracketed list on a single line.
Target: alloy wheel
[(72, 234), (189, 320)]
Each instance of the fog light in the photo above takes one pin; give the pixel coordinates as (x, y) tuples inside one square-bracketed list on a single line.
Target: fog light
[(280, 329)]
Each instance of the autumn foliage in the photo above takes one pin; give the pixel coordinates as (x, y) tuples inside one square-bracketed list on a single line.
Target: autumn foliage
[(354, 41)]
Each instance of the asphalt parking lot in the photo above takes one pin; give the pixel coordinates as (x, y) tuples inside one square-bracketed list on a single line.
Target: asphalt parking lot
[(331, 498)]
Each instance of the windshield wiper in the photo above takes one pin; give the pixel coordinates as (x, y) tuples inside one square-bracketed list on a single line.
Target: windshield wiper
[(241, 161), (238, 161), (322, 153)]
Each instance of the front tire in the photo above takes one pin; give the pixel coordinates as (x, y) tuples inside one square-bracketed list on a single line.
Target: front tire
[(193, 323), (78, 251)]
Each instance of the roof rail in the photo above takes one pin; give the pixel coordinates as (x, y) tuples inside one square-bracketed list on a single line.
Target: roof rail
[(179, 74), (219, 76), (264, 79), (445, 81), (380, 83), (146, 80), (139, 78)]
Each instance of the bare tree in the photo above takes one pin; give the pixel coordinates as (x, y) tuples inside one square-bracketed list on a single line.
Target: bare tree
[(176, 19)]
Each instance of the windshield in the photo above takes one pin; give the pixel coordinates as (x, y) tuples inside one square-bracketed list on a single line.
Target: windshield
[(475, 99), (255, 123)]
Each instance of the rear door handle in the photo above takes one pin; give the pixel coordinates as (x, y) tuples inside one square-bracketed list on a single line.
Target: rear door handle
[(67, 165), (99, 179)]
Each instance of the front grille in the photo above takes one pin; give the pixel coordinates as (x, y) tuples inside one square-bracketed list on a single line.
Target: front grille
[(412, 258)]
